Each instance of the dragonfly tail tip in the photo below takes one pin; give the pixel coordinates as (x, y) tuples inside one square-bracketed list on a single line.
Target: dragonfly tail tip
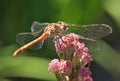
[(15, 53)]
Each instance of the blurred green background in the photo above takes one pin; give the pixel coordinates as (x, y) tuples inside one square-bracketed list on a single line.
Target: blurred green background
[(17, 16)]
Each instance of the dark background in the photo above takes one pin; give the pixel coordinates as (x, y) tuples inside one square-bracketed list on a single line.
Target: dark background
[(17, 16)]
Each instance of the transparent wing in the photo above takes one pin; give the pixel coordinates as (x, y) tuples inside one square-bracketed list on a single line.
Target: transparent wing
[(90, 31), (92, 45), (24, 38), (36, 26)]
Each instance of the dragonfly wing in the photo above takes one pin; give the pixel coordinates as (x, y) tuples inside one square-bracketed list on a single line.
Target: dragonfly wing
[(92, 45), (37, 46), (36, 26), (24, 38), (91, 31)]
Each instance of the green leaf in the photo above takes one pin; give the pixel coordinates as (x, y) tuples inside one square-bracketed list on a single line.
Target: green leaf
[(108, 58), (24, 66), (113, 8), (3, 79), (79, 11)]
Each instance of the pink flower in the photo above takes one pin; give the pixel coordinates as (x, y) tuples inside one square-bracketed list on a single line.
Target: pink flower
[(84, 75), (79, 49), (61, 67), (85, 59), (54, 65), (68, 44), (65, 67), (73, 56)]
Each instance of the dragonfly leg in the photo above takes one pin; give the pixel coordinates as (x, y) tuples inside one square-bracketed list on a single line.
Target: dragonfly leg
[(89, 39)]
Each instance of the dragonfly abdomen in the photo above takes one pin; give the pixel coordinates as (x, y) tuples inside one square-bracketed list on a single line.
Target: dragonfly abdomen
[(40, 38)]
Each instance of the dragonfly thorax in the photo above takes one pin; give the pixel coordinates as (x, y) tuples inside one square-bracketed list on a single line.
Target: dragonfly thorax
[(56, 29)]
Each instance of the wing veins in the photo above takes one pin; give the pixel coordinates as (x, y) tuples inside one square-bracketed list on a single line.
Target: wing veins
[(92, 30)]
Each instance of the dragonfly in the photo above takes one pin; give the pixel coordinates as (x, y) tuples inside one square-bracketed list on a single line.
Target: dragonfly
[(40, 31)]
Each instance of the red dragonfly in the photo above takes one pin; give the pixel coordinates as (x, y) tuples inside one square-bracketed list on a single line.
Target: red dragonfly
[(41, 31)]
